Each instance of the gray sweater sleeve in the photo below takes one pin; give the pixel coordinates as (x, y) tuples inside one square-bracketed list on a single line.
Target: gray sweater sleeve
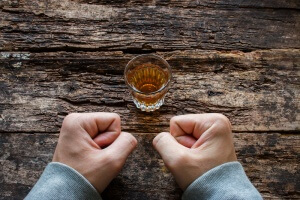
[(60, 181), (227, 181)]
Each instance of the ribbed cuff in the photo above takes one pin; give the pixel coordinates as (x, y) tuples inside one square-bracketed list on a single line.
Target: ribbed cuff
[(227, 181), (60, 181)]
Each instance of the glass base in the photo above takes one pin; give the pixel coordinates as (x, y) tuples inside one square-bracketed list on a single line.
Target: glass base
[(148, 108)]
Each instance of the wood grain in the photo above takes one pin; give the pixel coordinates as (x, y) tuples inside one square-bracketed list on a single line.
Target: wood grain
[(270, 160), (239, 58), (68, 25), (258, 91), (231, 4)]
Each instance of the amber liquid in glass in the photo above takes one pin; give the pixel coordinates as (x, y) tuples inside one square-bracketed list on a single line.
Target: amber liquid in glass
[(148, 78)]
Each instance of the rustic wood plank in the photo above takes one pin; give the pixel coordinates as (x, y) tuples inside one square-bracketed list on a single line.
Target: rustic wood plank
[(233, 4), (258, 91), (72, 26), (271, 161)]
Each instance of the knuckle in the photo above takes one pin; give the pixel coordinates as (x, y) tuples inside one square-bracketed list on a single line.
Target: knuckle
[(222, 118), (70, 117), (224, 122), (130, 139), (116, 116), (69, 120), (159, 139), (174, 119)]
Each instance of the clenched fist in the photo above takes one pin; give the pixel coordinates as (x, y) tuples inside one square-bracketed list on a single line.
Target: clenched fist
[(196, 143), (81, 145)]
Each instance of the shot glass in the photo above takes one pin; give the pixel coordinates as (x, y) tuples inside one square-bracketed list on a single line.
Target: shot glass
[(148, 78)]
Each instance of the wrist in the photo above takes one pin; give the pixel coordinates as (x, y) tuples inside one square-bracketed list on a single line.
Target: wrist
[(60, 181), (226, 181)]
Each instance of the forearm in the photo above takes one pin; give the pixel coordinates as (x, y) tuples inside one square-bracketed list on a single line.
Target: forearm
[(227, 181), (60, 181)]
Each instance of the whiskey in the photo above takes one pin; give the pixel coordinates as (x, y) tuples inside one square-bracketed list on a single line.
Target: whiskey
[(147, 78)]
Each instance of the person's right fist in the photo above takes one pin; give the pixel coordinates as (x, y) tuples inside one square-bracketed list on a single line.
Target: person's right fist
[(196, 143), (93, 144)]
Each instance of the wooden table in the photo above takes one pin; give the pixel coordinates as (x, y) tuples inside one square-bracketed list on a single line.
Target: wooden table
[(239, 58)]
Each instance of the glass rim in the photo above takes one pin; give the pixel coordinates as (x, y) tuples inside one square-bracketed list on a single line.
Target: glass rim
[(155, 56)]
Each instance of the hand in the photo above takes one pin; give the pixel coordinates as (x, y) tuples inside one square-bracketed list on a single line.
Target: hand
[(81, 142), (197, 143)]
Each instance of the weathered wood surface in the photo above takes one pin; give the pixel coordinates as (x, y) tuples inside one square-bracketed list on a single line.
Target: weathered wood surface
[(268, 158), (258, 91), (68, 25), (239, 58)]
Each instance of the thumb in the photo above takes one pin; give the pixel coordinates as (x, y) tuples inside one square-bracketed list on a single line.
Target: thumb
[(122, 146), (167, 146)]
